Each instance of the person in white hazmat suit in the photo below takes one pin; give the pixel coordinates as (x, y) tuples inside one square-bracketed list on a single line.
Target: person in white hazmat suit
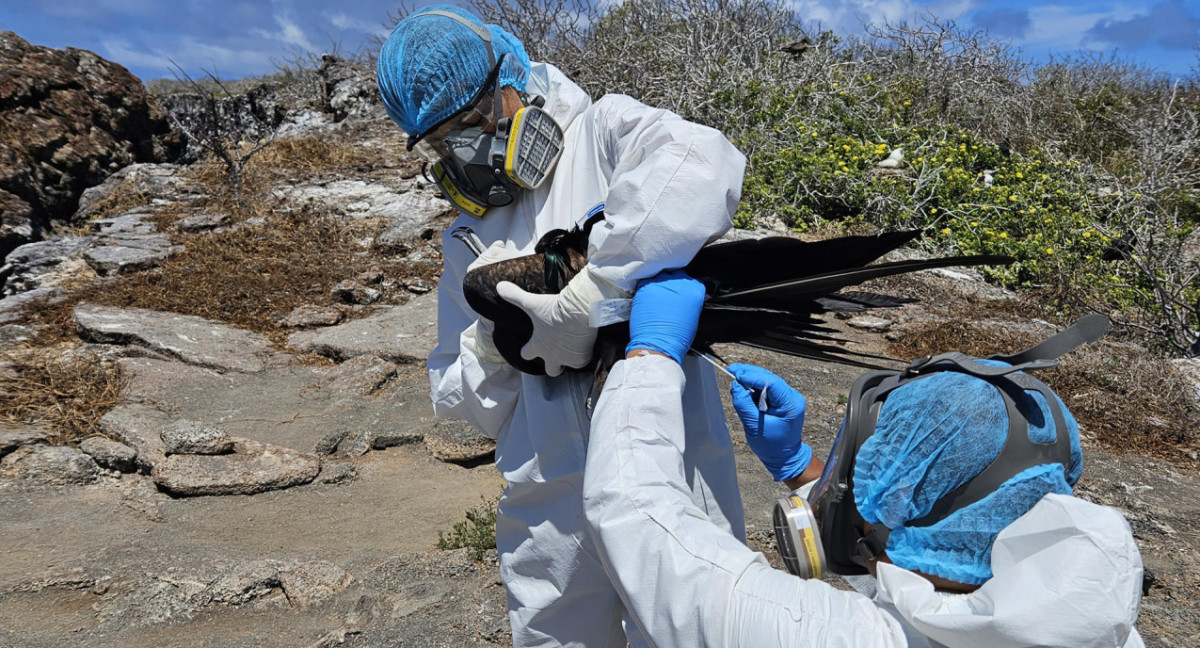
[(1027, 565), (464, 92)]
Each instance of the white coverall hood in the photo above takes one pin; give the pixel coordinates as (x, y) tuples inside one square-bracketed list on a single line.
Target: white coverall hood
[(1067, 573)]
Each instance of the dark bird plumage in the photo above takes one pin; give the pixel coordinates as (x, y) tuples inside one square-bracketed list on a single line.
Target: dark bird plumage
[(798, 48), (1005, 147), (1120, 249), (766, 293)]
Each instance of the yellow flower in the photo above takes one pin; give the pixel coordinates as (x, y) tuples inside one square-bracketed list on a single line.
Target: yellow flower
[(814, 133), (1049, 250), (974, 223), (1013, 197), (845, 147), (907, 102), (933, 210), (1003, 235), (845, 168), (945, 230), (1019, 175)]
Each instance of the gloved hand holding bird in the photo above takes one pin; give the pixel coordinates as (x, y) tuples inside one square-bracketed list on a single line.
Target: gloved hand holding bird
[(766, 293)]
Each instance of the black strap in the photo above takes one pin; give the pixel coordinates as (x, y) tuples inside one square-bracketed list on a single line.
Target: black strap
[(956, 361), (1086, 329)]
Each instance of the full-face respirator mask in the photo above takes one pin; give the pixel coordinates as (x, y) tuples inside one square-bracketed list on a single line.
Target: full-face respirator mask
[(824, 532), (478, 170)]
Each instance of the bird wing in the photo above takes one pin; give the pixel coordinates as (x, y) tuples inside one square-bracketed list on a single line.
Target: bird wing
[(738, 265)]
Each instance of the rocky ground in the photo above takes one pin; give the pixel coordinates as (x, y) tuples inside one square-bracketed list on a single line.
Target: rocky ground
[(268, 472)]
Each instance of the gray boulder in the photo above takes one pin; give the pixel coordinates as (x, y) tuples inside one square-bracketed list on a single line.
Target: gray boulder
[(458, 441), (399, 334), (13, 438), (253, 467), (310, 583), (353, 292), (130, 254), (191, 339), (138, 426), (310, 316), (31, 265), (49, 465), (360, 375), (157, 184), (12, 307), (195, 437), (134, 223), (201, 222), (110, 454)]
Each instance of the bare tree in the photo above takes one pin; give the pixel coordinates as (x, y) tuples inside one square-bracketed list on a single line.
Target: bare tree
[(232, 128)]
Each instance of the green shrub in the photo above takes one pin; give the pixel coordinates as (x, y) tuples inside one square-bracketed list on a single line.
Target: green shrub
[(477, 532)]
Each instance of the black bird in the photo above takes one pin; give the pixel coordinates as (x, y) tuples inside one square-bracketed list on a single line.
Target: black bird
[(798, 48), (765, 293), (1120, 249), (1005, 147)]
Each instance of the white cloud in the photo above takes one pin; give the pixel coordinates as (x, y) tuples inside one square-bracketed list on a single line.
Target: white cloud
[(348, 23), (1061, 27), (848, 16), (289, 33), (193, 56)]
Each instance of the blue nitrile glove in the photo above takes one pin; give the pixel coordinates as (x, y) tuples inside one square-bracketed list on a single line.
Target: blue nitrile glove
[(775, 435), (666, 310)]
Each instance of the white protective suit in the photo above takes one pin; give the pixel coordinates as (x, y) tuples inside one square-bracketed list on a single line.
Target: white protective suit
[(1067, 573), (667, 187)]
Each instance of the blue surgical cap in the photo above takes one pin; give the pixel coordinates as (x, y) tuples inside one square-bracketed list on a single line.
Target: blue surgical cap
[(934, 435), (431, 65)]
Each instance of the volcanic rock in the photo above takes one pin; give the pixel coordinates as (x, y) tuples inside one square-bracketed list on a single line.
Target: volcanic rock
[(110, 454), (399, 334), (71, 119), (13, 438), (458, 441), (50, 465), (253, 467), (194, 437), (193, 340)]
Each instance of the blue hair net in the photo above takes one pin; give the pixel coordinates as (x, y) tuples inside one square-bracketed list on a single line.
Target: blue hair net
[(430, 66), (934, 435)]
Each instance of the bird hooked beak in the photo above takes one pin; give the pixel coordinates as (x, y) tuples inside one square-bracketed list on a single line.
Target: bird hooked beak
[(469, 239)]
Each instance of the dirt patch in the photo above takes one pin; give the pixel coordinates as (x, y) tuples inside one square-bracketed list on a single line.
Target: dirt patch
[(1129, 400)]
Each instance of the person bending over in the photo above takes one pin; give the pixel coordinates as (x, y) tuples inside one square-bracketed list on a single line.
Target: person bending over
[(520, 150), (1026, 565)]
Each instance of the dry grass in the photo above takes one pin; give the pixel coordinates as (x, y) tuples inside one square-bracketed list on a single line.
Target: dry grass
[(313, 155), (69, 395), (1131, 401), (119, 200), (250, 275)]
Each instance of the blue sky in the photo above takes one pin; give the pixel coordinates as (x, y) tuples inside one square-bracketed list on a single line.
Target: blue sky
[(246, 38)]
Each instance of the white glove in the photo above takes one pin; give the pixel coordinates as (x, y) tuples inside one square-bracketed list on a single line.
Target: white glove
[(562, 336), (495, 253), (478, 337)]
